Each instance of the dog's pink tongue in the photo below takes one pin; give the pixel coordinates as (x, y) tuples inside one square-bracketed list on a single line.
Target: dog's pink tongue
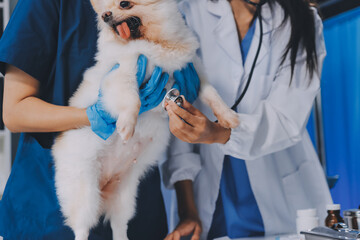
[(123, 30)]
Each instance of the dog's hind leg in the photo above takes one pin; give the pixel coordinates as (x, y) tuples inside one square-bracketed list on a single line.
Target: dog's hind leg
[(121, 207), (77, 179)]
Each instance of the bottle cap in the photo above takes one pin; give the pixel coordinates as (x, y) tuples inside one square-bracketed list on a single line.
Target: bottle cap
[(333, 207), (352, 213), (311, 212)]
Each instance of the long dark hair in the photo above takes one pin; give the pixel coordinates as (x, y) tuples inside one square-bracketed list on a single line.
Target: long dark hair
[(302, 31)]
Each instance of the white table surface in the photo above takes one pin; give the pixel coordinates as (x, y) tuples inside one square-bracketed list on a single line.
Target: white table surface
[(276, 237)]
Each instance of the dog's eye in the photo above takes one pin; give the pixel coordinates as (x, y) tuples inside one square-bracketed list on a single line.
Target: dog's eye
[(125, 4)]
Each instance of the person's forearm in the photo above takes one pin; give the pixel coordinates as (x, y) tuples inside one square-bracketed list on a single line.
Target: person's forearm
[(23, 111), (35, 115), (185, 199)]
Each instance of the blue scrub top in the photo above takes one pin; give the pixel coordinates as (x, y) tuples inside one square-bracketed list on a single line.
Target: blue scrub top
[(55, 42), (237, 213)]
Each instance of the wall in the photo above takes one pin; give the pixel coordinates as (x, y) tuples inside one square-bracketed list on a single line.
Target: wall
[(13, 4), (341, 105)]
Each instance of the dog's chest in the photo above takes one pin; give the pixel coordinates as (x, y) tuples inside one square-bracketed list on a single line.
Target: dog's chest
[(119, 159)]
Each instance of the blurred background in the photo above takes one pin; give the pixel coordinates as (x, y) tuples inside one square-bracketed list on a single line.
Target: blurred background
[(335, 122)]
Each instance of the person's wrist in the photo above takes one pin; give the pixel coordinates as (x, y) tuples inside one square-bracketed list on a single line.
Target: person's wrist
[(187, 209), (222, 134), (84, 117), (188, 213), (186, 204)]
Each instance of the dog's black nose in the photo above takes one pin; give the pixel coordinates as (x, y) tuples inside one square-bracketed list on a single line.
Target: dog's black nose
[(107, 16)]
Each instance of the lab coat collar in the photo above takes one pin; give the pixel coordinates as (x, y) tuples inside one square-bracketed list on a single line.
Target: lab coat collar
[(228, 39), (216, 7), (213, 7)]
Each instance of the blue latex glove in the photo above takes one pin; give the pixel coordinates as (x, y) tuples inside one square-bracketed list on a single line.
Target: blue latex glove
[(153, 91), (151, 94), (187, 82), (100, 120)]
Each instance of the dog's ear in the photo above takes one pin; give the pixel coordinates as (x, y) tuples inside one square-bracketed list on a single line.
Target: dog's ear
[(96, 4)]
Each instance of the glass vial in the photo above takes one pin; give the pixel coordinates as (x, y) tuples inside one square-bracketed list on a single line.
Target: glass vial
[(333, 215)]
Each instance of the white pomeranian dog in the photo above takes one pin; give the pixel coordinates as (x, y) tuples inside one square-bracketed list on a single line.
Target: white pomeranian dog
[(96, 177)]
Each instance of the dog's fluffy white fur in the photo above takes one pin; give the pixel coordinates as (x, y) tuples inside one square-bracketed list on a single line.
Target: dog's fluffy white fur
[(96, 177)]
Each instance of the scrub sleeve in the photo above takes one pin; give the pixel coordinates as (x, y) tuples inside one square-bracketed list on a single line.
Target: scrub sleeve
[(237, 213), (54, 41)]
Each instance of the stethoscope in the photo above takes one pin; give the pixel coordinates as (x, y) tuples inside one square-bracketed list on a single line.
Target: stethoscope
[(257, 13), (174, 94)]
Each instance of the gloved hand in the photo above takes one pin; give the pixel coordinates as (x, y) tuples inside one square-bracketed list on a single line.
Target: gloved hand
[(100, 120), (187, 82), (151, 94)]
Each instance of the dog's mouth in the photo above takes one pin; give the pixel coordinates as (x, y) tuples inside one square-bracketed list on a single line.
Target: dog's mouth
[(128, 28)]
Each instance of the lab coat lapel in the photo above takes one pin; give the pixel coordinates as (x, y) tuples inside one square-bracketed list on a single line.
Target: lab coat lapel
[(225, 35), (225, 30), (267, 29)]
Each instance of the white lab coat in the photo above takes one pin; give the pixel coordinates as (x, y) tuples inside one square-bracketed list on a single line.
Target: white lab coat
[(283, 167)]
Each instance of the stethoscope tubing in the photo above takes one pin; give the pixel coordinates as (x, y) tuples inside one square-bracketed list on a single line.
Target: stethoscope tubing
[(242, 95), (258, 12)]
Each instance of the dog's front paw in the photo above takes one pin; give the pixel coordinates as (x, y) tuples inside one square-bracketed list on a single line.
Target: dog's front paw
[(125, 126), (228, 118)]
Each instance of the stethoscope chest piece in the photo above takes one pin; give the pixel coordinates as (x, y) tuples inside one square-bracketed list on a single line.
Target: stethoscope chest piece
[(173, 95)]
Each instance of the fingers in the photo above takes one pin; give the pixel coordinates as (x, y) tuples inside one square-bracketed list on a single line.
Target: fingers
[(197, 233), (157, 98), (194, 82), (153, 96), (175, 85), (157, 81), (152, 102), (163, 81), (182, 113), (178, 127), (177, 235), (153, 81), (141, 71), (188, 81), (176, 122), (187, 73), (169, 237), (151, 92), (186, 228), (196, 76), (180, 80)]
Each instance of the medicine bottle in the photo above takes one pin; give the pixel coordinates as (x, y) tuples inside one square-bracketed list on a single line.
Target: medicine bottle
[(306, 220), (333, 215)]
